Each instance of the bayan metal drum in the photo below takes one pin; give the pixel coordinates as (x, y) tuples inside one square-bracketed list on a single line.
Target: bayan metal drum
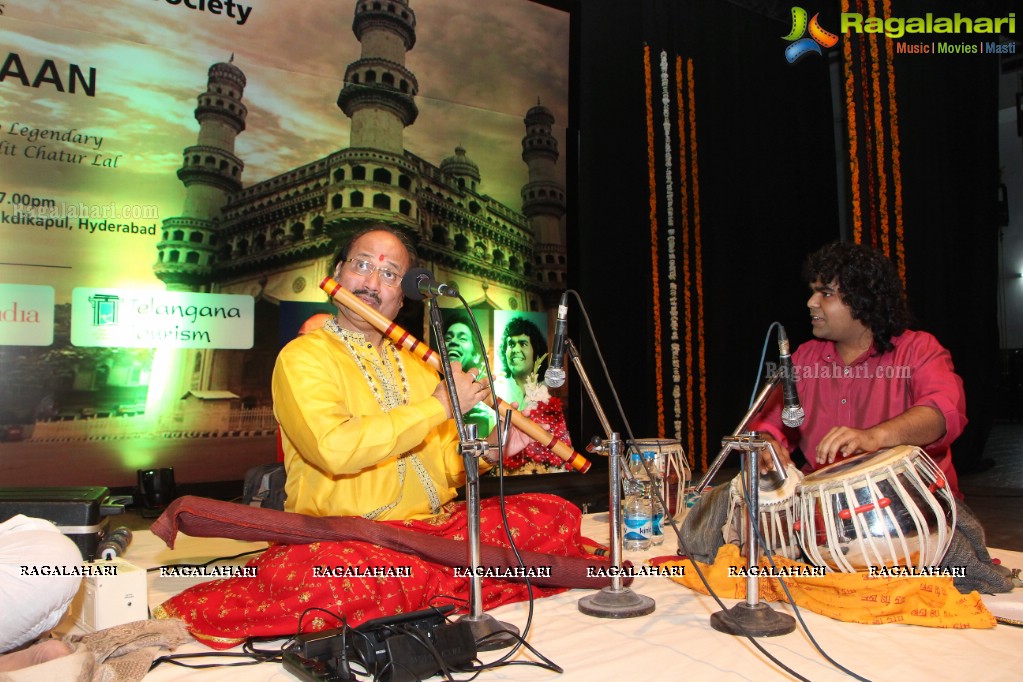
[(886, 508), (777, 502)]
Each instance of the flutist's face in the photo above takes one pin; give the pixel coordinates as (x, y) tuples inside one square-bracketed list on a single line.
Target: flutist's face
[(382, 250)]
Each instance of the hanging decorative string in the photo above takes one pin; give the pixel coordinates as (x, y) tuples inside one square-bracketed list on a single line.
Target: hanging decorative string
[(698, 258), (873, 136), (651, 155), (676, 253), (893, 121), (687, 264)]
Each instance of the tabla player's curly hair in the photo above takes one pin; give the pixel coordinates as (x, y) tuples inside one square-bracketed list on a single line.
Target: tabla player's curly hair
[(868, 283)]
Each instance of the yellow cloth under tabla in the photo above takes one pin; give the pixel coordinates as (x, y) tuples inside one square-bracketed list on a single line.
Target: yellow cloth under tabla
[(851, 597)]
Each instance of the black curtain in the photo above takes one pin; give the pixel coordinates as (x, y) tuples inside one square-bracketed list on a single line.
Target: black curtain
[(771, 189), (950, 171)]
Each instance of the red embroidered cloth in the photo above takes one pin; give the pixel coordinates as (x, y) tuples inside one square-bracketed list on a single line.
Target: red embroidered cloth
[(550, 415), (412, 564)]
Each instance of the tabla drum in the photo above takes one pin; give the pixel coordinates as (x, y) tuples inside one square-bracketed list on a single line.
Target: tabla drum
[(667, 461), (777, 503), (885, 508)]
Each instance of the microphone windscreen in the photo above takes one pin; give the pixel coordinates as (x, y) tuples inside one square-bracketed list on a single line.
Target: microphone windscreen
[(554, 377), (410, 283)]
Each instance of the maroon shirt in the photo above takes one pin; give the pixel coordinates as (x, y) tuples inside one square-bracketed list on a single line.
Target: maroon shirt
[(871, 389)]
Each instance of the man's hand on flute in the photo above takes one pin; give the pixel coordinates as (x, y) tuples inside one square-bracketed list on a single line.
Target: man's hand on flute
[(469, 388)]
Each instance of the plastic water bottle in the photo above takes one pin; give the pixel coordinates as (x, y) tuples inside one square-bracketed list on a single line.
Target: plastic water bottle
[(656, 520), (636, 516), (653, 485), (636, 468)]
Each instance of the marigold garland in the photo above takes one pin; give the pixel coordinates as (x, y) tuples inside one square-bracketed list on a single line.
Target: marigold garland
[(683, 239), (669, 205), (870, 215), (654, 256), (691, 80), (874, 145), (893, 123), (687, 271), (850, 117), (879, 143)]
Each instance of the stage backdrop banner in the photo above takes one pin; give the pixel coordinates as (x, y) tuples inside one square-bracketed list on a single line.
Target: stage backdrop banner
[(210, 158)]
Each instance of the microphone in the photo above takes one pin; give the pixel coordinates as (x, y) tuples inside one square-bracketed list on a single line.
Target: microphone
[(792, 414), (418, 283), (555, 374)]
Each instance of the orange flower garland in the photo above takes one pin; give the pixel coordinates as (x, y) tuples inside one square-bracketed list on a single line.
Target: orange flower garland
[(654, 255), (691, 81), (687, 271), (870, 85), (893, 123), (684, 241), (879, 145), (850, 113)]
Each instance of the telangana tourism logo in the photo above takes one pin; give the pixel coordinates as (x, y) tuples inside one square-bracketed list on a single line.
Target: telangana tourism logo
[(801, 45)]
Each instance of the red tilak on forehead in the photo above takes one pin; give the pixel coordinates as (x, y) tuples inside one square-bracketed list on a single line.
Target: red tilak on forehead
[(380, 258)]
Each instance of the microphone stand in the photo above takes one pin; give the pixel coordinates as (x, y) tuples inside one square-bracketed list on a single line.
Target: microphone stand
[(751, 618), (739, 430), (488, 632), (614, 601)]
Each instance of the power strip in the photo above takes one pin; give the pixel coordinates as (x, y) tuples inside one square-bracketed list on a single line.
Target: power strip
[(398, 648), (115, 593)]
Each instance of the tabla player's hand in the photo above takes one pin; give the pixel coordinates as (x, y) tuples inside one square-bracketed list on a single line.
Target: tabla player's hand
[(843, 441), (766, 462)]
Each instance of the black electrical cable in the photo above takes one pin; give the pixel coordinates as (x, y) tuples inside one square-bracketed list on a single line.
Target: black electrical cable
[(206, 564), (784, 586), (500, 427), (674, 526)]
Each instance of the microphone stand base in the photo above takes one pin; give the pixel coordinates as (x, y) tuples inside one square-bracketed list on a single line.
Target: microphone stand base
[(755, 621), (611, 603), (497, 634)]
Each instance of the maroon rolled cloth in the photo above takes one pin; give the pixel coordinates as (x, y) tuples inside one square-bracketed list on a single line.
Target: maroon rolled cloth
[(203, 517)]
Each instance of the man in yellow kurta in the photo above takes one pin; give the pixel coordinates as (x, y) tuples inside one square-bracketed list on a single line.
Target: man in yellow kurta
[(367, 427), (367, 430)]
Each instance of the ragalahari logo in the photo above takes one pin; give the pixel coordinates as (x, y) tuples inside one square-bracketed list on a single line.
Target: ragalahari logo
[(802, 45)]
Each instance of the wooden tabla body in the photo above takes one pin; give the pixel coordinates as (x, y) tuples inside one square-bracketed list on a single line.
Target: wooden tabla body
[(885, 508), (777, 502), (667, 461)]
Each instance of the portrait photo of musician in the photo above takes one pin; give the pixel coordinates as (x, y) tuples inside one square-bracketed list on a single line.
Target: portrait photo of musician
[(463, 346), (521, 358)]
